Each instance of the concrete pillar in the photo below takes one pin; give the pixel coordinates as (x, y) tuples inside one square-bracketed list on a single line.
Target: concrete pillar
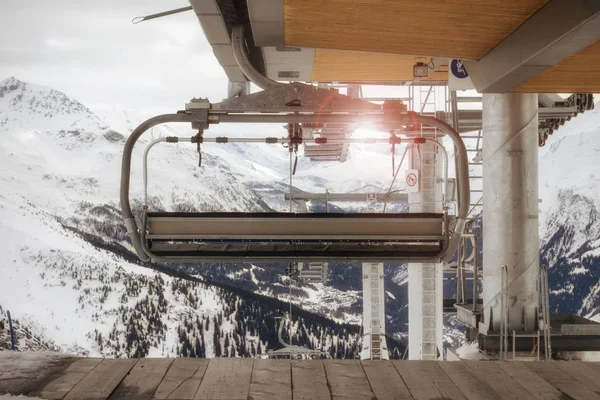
[(425, 281), (510, 208)]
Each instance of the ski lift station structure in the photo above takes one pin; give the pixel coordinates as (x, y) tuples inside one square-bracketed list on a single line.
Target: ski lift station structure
[(304, 55), (311, 59)]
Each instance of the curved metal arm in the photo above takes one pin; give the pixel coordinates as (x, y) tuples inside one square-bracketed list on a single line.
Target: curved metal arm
[(239, 52), (130, 224), (462, 180)]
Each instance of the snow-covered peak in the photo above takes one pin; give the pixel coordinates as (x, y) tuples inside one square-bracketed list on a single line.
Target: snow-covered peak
[(26, 106), (569, 162)]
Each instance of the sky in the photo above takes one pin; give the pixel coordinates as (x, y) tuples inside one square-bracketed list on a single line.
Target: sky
[(92, 52)]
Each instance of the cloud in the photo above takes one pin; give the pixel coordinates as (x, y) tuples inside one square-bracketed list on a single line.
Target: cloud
[(92, 52)]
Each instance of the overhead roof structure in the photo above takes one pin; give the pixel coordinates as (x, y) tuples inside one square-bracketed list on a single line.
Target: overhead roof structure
[(545, 46)]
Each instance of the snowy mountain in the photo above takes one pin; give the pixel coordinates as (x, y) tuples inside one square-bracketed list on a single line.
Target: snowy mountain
[(569, 218), (69, 277)]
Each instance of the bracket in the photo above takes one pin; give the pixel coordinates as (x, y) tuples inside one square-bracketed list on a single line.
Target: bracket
[(295, 97)]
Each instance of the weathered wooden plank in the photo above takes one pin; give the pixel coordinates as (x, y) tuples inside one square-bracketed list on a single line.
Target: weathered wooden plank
[(468, 383), (532, 382), (226, 378), (594, 365), (102, 380), (59, 387), (504, 386), (182, 380), (583, 373), (557, 377), (143, 379), (309, 381), (385, 380), (25, 373), (426, 380), (14, 385), (271, 379), (347, 380)]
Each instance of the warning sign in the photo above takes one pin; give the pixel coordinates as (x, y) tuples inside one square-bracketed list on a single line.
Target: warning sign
[(412, 181)]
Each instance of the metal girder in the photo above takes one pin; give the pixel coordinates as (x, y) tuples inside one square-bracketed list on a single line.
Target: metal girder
[(560, 29), (295, 97)]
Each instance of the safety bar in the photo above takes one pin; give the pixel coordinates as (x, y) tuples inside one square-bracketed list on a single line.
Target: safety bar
[(274, 140), (397, 119)]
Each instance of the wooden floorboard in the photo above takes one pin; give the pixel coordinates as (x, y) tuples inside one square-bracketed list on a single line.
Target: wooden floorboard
[(563, 381), (226, 379), (500, 382), (528, 379), (14, 385), (26, 374), (468, 383), (347, 380), (426, 380), (102, 380), (309, 381), (143, 379), (583, 373), (182, 379), (385, 381), (271, 380), (253, 379), (59, 387)]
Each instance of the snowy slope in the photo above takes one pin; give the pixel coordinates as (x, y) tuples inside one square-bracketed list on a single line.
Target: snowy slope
[(569, 214), (59, 215), (570, 161)]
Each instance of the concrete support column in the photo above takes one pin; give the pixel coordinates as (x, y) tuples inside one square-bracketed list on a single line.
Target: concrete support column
[(425, 281), (510, 209)]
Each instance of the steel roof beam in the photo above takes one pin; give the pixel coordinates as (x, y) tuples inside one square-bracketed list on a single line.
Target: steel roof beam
[(560, 29)]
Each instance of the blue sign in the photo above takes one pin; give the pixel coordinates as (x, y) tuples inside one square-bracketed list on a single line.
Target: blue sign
[(458, 69)]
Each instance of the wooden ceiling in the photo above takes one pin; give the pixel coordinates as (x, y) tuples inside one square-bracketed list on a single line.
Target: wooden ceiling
[(352, 66), (579, 73), (465, 29)]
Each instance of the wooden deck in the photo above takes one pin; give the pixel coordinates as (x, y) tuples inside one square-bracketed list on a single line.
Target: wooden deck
[(243, 378)]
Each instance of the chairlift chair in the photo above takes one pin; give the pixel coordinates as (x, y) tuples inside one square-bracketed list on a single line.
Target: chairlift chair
[(226, 236), (292, 237)]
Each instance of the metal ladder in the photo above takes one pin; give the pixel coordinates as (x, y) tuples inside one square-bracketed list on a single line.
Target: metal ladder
[(535, 351), (474, 145), (375, 316), (429, 313)]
